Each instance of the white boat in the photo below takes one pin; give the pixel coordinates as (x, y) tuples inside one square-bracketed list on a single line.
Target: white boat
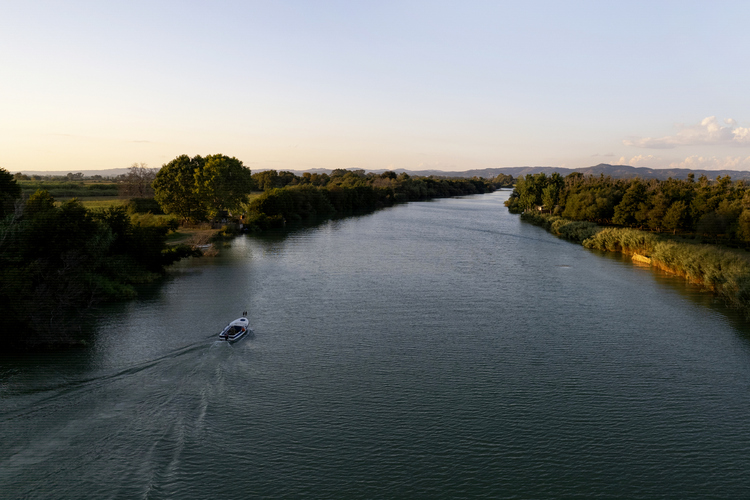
[(236, 329)]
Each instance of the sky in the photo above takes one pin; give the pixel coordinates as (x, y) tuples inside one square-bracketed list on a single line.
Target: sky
[(446, 85)]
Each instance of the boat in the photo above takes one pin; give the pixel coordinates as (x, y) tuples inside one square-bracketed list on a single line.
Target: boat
[(236, 329)]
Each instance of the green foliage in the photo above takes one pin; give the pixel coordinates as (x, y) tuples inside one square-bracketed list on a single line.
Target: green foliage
[(175, 188), (198, 188), (70, 189), (503, 181), (56, 262), (716, 211), (143, 205), (10, 191), (576, 231), (345, 191), (271, 179), (623, 240), (223, 184)]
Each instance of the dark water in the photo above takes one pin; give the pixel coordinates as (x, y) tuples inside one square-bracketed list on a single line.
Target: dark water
[(439, 349)]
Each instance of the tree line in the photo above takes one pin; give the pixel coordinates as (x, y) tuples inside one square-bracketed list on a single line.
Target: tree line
[(288, 197), (717, 211), (202, 188)]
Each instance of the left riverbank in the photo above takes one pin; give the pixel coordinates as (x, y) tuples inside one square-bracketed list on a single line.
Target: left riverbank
[(724, 271), (58, 261)]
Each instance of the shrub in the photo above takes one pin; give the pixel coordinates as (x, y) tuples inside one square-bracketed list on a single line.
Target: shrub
[(143, 205)]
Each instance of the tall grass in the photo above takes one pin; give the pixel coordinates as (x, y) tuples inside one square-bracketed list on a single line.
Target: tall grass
[(576, 231)]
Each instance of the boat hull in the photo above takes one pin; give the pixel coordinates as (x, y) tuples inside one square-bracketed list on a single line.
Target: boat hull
[(235, 330)]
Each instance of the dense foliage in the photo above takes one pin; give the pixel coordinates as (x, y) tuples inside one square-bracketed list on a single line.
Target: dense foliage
[(200, 188), (717, 211), (59, 260), (288, 197), (10, 191)]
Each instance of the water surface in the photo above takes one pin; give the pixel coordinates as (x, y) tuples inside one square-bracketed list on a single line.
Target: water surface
[(437, 349)]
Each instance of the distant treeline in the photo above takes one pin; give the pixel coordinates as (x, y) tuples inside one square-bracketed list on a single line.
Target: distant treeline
[(716, 211), (70, 189), (136, 182), (59, 260), (70, 176), (288, 197)]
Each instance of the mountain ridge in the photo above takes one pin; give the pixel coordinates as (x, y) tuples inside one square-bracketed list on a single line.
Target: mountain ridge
[(615, 171)]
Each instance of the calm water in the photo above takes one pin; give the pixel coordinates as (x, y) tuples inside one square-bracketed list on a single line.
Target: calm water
[(439, 349)]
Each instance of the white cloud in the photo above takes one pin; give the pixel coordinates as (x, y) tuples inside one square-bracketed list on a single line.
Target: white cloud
[(644, 161), (695, 162), (708, 132), (713, 163)]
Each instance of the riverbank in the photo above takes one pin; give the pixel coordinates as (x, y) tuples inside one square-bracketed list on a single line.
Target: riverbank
[(722, 270)]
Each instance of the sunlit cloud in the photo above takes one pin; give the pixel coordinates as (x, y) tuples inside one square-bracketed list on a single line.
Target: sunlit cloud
[(708, 132), (695, 162), (642, 161), (713, 163)]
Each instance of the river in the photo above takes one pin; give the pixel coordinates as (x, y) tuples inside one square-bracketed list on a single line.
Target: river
[(440, 349)]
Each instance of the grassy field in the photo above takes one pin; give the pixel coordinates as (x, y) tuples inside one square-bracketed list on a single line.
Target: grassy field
[(102, 202), (67, 189)]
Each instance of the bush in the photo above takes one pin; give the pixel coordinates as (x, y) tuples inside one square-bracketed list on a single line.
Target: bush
[(623, 240), (143, 205), (576, 231)]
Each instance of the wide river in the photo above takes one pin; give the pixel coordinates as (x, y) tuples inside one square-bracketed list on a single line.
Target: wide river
[(431, 350)]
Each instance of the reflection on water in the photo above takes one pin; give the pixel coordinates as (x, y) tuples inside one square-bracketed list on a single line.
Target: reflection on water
[(440, 349)]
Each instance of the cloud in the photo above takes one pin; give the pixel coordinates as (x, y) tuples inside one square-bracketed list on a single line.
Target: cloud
[(713, 163), (695, 162), (708, 132), (642, 161)]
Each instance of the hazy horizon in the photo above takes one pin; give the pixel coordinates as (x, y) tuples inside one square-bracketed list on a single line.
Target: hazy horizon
[(386, 85)]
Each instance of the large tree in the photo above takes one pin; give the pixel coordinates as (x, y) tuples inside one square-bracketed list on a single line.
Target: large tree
[(200, 188), (223, 183), (175, 188)]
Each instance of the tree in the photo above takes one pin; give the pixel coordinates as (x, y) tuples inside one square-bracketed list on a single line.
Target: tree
[(631, 209), (266, 180), (676, 216), (223, 183), (176, 191), (137, 182), (199, 188), (10, 191)]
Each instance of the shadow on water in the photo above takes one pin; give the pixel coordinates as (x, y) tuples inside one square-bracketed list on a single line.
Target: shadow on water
[(696, 294), (280, 234)]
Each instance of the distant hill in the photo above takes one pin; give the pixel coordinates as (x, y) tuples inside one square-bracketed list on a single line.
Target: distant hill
[(112, 172), (616, 171)]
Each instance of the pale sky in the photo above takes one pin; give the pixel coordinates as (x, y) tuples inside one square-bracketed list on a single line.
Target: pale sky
[(382, 84)]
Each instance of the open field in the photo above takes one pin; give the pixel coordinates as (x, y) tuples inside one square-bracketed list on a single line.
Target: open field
[(101, 202)]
